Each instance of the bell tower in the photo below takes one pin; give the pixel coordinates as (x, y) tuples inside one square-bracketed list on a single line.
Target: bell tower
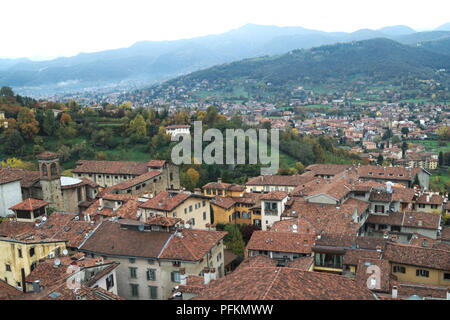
[(50, 179)]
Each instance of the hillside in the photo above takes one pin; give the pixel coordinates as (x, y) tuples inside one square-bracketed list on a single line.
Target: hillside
[(379, 59), (148, 62)]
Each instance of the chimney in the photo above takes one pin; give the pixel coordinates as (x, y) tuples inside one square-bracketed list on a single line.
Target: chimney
[(212, 273), (36, 286), (219, 180), (100, 203), (206, 275), (183, 276), (394, 292)]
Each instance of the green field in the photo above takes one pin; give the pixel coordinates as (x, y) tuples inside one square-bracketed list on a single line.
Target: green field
[(433, 145)]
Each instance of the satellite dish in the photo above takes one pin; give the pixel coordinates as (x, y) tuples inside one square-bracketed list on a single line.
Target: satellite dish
[(141, 227), (294, 226), (44, 219), (57, 262), (65, 252)]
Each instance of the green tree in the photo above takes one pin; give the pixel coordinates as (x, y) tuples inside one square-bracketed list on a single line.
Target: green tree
[(50, 124), (138, 126), (12, 143), (234, 240), (6, 92), (319, 154), (380, 159), (27, 123)]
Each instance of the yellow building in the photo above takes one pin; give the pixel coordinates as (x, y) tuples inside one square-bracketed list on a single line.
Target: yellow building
[(413, 264), (192, 208), (23, 244), (221, 189), (245, 209)]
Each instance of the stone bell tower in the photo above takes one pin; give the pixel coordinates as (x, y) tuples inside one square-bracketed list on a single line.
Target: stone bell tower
[(50, 179)]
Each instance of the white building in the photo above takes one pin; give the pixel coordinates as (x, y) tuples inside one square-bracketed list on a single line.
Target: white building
[(178, 129), (10, 193), (272, 206)]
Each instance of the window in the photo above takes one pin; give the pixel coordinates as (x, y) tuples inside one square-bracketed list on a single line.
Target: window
[(151, 274), (204, 215), (153, 292), (185, 210), (132, 260), (379, 209), (151, 261), (176, 263), (190, 208), (175, 276), (421, 205), (193, 221), (204, 203), (422, 273), (219, 256), (134, 290), (447, 276), (31, 252), (19, 251), (133, 272), (399, 269), (434, 206), (8, 267), (109, 282)]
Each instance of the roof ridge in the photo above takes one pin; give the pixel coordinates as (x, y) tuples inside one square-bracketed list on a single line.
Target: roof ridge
[(278, 271)]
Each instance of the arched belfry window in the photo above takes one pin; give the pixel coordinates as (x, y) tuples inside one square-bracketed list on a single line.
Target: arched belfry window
[(53, 169), (44, 169)]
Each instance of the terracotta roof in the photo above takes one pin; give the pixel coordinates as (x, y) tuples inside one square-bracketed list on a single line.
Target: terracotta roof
[(111, 239), (127, 210), (228, 256), (29, 204), (302, 263), (403, 194), (137, 180), (281, 242), (223, 202), (380, 196), (352, 256), (445, 234), (276, 180), (111, 167), (422, 290), (387, 173), (217, 185), (327, 169), (47, 155), (421, 220), (8, 176), (8, 292), (156, 163), (58, 227), (11, 228), (47, 273), (275, 195), (166, 201), (272, 283), (327, 218), (301, 225), (417, 256), (191, 245), (433, 199), (362, 273), (258, 261), (163, 221), (27, 178)]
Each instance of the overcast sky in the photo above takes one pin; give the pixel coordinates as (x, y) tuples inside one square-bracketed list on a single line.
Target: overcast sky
[(49, 28)]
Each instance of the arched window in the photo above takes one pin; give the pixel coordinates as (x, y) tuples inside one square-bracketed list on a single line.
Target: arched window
[(44, 169), (53, 169)]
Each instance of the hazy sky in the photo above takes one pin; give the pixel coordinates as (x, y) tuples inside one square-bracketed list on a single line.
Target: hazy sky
[(49, 28)]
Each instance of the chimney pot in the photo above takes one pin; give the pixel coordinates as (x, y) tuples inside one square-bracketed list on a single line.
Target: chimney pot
[(394, 292)]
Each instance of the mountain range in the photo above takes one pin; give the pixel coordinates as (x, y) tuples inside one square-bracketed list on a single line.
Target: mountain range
[(148, 62)]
